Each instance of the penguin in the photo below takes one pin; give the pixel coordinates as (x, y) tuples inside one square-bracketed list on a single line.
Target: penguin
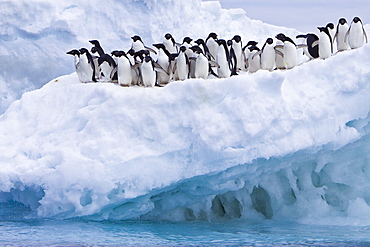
[(356, 34), (148, 70), (246, 52), (124, 68), (76, 54), (290, 56), (187, 42), (254, 59), (181, 66), (237, 46), (87, 66), (95, 55), (340, 35), (138, 45), (97, 46), (279, 54), (332, 30), (164, 60), (170, 43), (325, 43), (201, 63), (211, 43), (135, 72), (108, 68), (232, 58), (312, 50), (268, 55), (202, 45), (223, 59)]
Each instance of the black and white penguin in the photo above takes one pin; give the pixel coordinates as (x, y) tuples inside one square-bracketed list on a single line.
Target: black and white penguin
[(202, 45), (138, 45), (182, 64), (201, 63), (356, 34), (223, 59), (108, 68), (170, 43), (148, 70), (237, 46), (124, 68), (164, 59), (268, 55), (95, 55), (211, 43), (340, 35), (87, 66), (254, 59), (233, 63), (76, 54), (97, 46), (135, 70), (311, 39), (289, 54), (325, 43), (246, 52)]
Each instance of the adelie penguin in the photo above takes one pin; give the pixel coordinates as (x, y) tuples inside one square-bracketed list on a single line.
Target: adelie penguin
[(312, 50), (87, 66), (148, 70), (289, 54), (325, 43), (254, 59), (246, 53), (76, 55), (356, 34), (211, 43), (170, 43), (182, 65), (108, 69), (237, 46), (340, 35), (223, 59), (138, 45), (124, 68), (268, 55), (165, 60)]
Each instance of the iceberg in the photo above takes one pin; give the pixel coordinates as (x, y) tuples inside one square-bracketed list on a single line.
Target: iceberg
[(291, 145)]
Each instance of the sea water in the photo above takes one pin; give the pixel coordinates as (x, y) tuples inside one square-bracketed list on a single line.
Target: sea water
[(148, 233)]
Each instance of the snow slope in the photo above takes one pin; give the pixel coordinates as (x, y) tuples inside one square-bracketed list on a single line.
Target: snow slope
[(35, 35), (290, 145)]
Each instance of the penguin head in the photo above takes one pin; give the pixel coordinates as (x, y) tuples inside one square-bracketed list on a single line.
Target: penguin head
[(136, 38), (131, 52), (269, 41), (182, 48), (74, 52), (94, 42), (147, 59), (212, 35), (187, 40), (199, 41), (253, 48), (168, 36), (237, 38), (221, 42), (330, 26), (229, 42), (357, 19), (281, 37), (342, 21), (83, 51), (325, 30), (196, 49), (251, 42), (94, 50), (116, 53)]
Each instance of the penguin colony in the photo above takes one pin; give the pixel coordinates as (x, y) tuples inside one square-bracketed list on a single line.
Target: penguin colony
[(212, 56)]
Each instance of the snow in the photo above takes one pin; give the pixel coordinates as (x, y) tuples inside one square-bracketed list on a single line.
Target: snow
[(283, 145)]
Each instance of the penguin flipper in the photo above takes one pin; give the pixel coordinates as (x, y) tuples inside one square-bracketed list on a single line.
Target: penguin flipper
[(159, 68), (257, 54), (114, 70), (301, 46), (213, 64), (279, 47), (303, 36), (363, 30), (279, 53), (315, 43), (151, 50)]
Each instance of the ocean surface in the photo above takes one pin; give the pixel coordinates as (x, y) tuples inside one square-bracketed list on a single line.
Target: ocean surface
[(146, 233)]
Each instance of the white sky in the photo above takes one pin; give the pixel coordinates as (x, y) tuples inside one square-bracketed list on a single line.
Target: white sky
[(304, 15)]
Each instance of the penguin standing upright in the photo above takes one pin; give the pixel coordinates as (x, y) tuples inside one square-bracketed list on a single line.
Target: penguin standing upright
[(148, 73), (135, 72), (108, 68), (246, 53), (332, 30), (138, 44), (279, 54), (268, 55), (87, 66), (223, 59), (289, 51), (124, 69), (254, 59), (76, 55), (170, 43), (182, 64), (237, 46), (356, 34), (233, 63), (325, 43), (201, 63), (211, 42), (163, 59), (340, 35)]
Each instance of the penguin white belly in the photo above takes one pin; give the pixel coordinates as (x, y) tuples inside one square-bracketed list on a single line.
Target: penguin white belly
[(201, 67), (324, 46), (268, 58), (223, 70), (182, 67), (163, 78), (290, 55), (106, 70), (279, 60), (342, 43), (254, 63), (86, 69), (137, 46), (124, 71), (213, 48), (356, 36), (148, 74), (171, 48), (239, 56)]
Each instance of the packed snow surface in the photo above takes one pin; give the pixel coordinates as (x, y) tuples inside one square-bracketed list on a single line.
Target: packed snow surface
[(290, 145)]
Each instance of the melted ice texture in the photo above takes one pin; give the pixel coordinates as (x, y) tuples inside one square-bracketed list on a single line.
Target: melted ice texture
[(290, 145)]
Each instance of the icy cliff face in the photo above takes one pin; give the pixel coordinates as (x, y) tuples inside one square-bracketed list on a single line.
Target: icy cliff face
[(35, 35), (265, 145)]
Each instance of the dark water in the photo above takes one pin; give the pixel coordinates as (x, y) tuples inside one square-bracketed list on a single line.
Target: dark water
[(142, 233)]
